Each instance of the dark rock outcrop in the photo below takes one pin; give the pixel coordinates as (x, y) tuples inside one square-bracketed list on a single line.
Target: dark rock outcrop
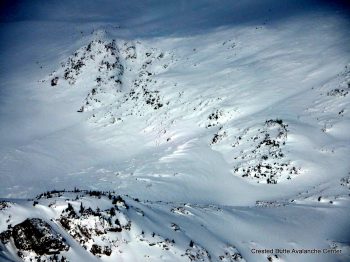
[(35, 235)]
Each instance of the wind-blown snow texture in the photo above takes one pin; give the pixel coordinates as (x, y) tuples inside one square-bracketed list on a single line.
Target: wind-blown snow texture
[(198, 130)]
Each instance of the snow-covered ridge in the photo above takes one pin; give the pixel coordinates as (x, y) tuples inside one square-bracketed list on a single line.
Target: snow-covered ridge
[(104, 226)]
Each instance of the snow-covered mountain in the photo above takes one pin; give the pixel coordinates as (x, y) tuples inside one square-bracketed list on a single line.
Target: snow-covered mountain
[(188, 131)]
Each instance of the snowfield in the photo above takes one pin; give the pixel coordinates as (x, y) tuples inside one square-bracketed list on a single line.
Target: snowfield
[(217, 135)]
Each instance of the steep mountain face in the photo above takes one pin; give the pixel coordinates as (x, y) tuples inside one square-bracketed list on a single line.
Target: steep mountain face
[(200, 143), (122, 79)]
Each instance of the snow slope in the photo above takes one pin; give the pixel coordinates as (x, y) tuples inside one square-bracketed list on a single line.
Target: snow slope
[(237, 114)]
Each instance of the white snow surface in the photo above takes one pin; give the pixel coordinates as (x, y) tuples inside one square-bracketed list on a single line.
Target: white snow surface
[(231, 122)]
